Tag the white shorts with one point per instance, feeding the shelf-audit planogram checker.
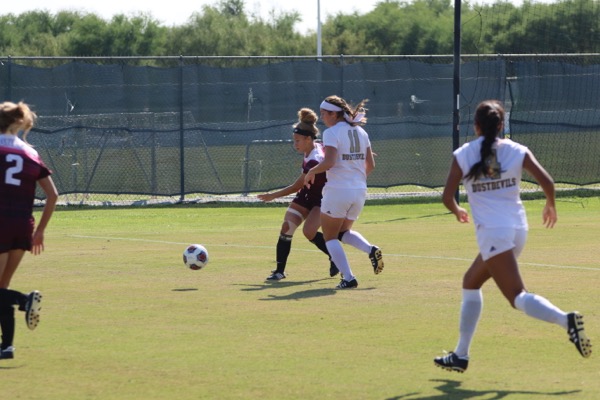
(494, 241)
(343, 203)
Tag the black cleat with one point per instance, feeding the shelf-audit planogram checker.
(577, 334)
(452, 362)
(32, 309)
(7, 353)
(347, 284)
(376, 259)
(276, 276)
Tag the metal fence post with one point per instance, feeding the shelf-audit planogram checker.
(181, 133)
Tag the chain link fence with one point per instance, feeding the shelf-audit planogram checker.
(134, 130)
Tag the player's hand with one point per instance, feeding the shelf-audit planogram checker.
(549, 216)
(462, 215)
(37, 243)
(309, 179)
(265, 197)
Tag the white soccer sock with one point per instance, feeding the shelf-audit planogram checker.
(336, 251)
(538, 307)
(356, 240)
(470, 311)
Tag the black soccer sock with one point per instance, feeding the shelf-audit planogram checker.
(7, 324)
(9, 297)
(284, 246)
(319, 241)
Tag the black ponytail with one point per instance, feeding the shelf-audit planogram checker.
(489, 117)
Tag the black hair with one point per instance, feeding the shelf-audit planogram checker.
(489, 118)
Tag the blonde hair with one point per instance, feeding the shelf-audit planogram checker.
(351, 112)
(15, 118)
(307, 122)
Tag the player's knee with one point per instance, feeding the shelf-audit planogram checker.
(288, 228)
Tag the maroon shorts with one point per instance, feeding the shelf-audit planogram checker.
(307, 199)
(16, 234)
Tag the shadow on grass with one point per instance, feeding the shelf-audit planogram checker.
(303, 294)
(299, 295)
(184, 290)
(279, 284)
(310, 293)
(451, 390)
(407, 218)
(9, 367)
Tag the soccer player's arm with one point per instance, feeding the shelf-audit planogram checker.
(452, 183)
(293, 188)
(49, 189)
(533, 167)
(370, 161)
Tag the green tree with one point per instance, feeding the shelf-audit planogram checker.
(228, 30)
(393, 27)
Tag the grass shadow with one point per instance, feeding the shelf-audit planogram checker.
(10, 367)
(278, 284)
(451, 390)
(407, 218)
(304, 294)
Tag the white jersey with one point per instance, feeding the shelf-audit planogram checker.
(495, 198)
(351, 142)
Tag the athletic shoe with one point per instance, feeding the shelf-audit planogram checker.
(7, 353)
(376, 259)
(276, 276)
(452, 362)
(333, 270)
(32, 309)
(577, 334)
(347, 284)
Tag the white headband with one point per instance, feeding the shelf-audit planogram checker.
(359, 117)
(329, 107)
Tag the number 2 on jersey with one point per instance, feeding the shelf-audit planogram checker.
(9, 176)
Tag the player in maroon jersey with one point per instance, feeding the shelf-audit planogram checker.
(306, 205)
(20, 169)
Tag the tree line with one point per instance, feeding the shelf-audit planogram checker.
(393, 27)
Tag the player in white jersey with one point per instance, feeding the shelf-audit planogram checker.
(348, 161)
(306, 205)
(491, 168)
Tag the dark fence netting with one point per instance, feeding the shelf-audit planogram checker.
(113, 131)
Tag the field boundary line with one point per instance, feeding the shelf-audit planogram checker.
(315, 251)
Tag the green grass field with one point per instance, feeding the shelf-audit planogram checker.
(124, 319)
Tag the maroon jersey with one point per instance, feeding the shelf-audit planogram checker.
(311, 197)
(20, 169)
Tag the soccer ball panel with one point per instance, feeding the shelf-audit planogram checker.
(195, 256)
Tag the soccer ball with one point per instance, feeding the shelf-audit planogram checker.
(195, 256)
